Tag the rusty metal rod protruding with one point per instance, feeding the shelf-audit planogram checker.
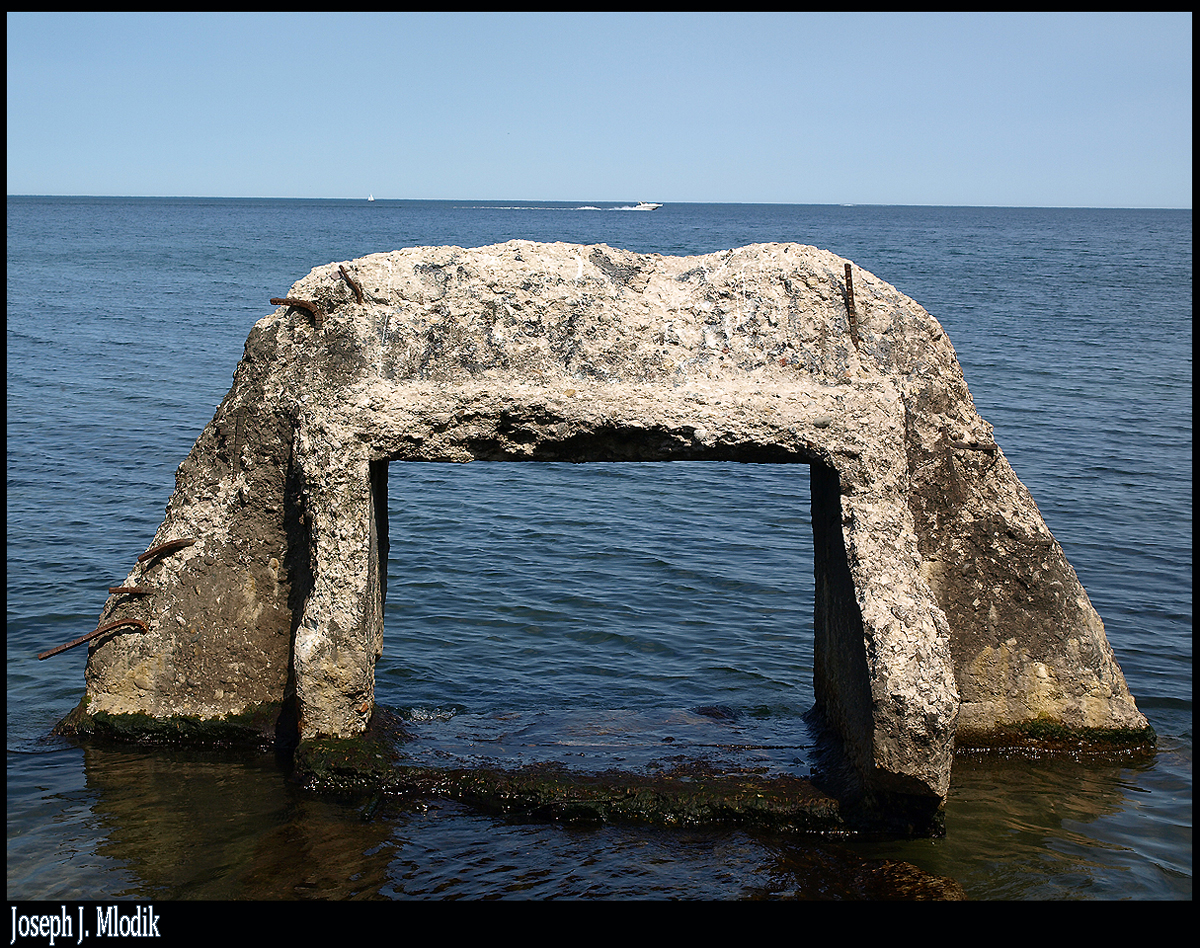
(130, 590)
(852, 314)
(163, 548)
(91, 635)
(318, 316)
(358, 297)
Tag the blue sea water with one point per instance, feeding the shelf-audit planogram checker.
(588, 614)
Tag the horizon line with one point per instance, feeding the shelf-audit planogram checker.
(219, 197)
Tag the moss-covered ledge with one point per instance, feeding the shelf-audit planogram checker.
(691, 795)
(1045, 735)
(552, 792)
(265, 726)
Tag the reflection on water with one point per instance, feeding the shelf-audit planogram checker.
(204, 825)
(174, 824)
(1058, 828)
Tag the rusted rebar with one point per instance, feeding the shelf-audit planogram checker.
(129, 590)
(851, 313)
(91, 635)
(358, 297)
(164, 548)
(317, 315)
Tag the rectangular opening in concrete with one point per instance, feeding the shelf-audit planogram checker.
(601, 614)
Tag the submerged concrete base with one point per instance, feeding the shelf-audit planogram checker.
(678, 790)
(944, 605)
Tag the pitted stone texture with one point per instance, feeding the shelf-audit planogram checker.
(945, 603)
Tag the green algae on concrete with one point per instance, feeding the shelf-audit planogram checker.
(1045, 734)
(687, 796)
(261, 726)
(351, 763)
(551, 792)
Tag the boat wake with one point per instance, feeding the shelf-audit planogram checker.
(643, 206)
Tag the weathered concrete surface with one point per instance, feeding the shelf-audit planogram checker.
(944, 605)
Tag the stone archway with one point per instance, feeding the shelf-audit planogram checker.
(944, 606)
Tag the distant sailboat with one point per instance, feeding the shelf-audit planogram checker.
(370, 197)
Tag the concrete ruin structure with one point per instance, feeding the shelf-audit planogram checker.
(945, 610)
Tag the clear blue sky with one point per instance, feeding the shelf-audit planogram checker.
(984, 109)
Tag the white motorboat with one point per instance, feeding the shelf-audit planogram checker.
(647, 206)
